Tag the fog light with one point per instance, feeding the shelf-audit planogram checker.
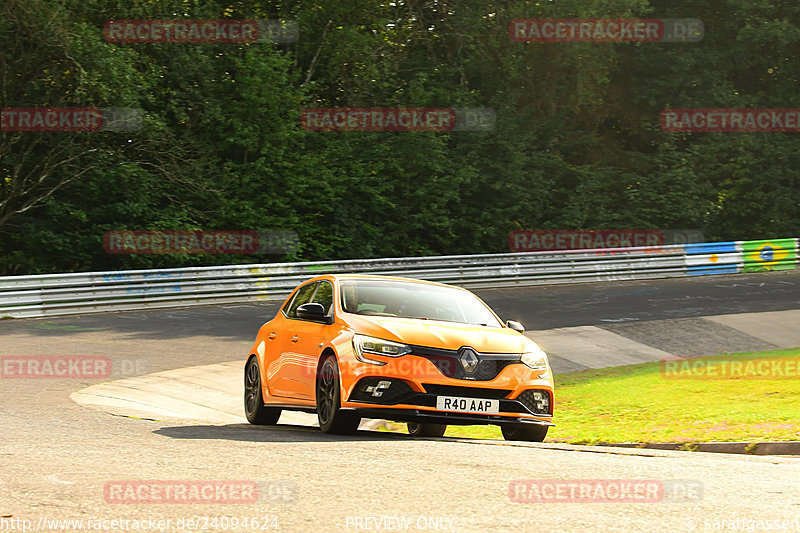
(541, 401)
(377, 390)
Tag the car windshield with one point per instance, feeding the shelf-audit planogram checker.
(415, 300)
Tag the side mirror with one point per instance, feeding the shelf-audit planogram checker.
(312, 311)
(516, 326)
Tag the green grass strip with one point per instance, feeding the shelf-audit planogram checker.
(752, 396)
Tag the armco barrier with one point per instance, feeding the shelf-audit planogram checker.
(91, 292)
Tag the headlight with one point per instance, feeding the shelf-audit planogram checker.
(535, 359)
(370, 345)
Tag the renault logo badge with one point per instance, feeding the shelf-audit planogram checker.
(469, 360)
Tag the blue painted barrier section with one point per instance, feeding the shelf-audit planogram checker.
(713, 258)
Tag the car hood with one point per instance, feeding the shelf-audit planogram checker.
(446, 335)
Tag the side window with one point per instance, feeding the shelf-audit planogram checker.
(324, 296)
(289, 303)
(303, 296)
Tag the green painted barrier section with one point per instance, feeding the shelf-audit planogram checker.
(775, 254)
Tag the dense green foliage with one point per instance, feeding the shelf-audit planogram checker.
(577, 143)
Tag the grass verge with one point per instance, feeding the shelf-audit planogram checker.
(752, 396)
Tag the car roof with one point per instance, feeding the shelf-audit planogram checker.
(375, 277)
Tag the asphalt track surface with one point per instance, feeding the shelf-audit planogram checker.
(57, 458)
(538, 308)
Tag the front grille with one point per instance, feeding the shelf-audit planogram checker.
(449, 363)
(537, 407)
(491, 368)
(466, 392)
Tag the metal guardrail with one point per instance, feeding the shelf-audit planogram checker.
(94, 292)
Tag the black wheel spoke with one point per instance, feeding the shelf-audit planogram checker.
(326, 392)
(524, 432)
(251, 387)
(331, 419)
(254, 408)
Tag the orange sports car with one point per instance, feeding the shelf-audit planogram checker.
(348, 347)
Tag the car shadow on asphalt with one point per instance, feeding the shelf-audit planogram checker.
(278, 433)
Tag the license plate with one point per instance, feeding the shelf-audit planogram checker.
(467, 405)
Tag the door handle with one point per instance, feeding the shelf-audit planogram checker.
(295, 338)
(272, 336)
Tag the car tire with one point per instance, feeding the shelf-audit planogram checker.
(254, 409)
(524, 432)
(418, 429)
(331, 418)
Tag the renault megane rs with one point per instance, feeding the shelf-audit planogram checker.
(348, 347)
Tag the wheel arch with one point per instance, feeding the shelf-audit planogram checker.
(327, 352)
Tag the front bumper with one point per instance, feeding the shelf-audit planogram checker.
(401, 401)
(443, 417)
(419, 378)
